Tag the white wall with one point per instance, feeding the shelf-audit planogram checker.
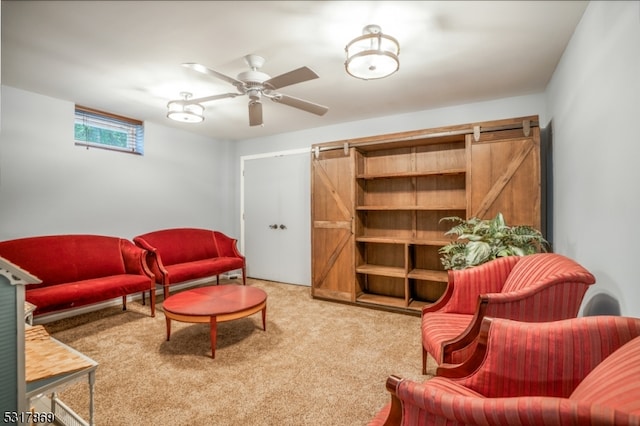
(50, 186)
(593, 101)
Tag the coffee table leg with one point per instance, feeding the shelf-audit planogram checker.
(214, 335)
(168, 320)
(264, 318)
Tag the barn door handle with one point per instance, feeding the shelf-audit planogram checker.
(273, 226)
(283, 227)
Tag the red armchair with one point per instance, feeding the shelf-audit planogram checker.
(580, 371)
(534, 288)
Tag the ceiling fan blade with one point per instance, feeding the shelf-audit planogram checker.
(210, 98)
(255, 113)
(300, 104)
(204, 70)
(292, 77)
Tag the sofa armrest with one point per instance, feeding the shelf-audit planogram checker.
(152, 260)
(513, 358)
(134, 259)
(227, 246)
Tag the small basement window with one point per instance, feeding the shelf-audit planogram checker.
(104, 130)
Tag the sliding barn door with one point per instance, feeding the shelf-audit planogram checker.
(332, 239)
(504, 176)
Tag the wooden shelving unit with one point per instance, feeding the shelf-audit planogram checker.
(377, 206)
(401, 194)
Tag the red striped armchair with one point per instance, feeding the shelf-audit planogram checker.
(533, 288)
(580, 371)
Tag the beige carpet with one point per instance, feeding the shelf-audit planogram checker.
(318, 363)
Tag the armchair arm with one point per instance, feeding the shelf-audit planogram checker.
(550, 301)
(391, 414)
(466, 284)
(473, 357)
(440, 401)
(545, 301)
(515, 358)
(443, 300)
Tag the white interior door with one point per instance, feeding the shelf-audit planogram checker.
(276, 215)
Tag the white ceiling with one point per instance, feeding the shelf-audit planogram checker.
(125, 56)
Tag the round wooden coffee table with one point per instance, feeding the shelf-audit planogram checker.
(214, 304)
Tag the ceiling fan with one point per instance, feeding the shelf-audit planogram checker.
(258, 85)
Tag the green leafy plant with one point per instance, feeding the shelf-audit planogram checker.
(482, 240)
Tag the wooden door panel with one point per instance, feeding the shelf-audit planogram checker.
(505, 177)
(333, 270)
(333, 266)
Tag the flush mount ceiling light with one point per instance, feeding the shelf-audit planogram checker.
(373, 55)
(185, 111)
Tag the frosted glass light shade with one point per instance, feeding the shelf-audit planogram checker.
(185, 113)
(373, 55)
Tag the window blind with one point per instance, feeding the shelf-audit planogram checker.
(99, 129)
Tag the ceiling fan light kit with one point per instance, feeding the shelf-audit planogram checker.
(185, 111)
(253, 83)
(373, 55)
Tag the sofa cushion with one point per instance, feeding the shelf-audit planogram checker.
(85, 292)
(181, 245)
(202, 268)
(65, 258)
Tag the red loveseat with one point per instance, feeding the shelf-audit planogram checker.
(180, 255)
(79, 270)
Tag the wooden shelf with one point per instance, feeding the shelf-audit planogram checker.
(445, 172)
(377, 299)
(411, 208)
(429, 275)
(385, 271)
(412, 241)
(418, 304)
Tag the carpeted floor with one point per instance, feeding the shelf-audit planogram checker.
(318, 363)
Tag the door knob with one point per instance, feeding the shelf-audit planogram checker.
(273, 226)
(283, 227)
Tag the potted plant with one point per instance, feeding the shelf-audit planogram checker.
(482, 240)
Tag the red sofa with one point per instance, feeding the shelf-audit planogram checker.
(579, 371)
(79, 270)
(178, 255)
